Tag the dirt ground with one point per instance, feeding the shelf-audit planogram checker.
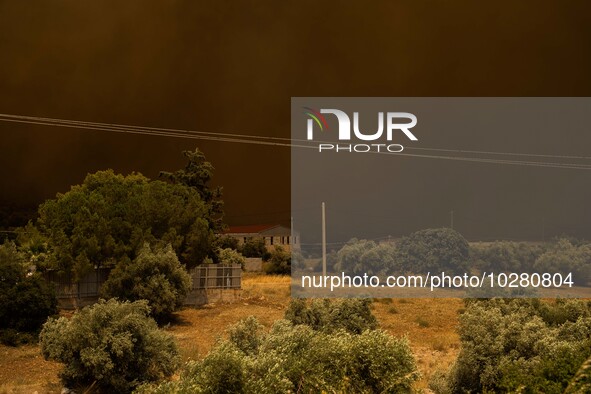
(429, 324)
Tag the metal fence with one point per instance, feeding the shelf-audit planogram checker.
(208, 276)
(88, 286)
(217, 276)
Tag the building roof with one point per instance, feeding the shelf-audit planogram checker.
(250, 229)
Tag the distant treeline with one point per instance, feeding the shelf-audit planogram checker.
(444, 249)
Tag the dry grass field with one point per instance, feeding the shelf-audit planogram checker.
(430, 325)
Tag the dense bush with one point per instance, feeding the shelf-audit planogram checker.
(349, 256)
(506, 256)
(358, 257)
(227, 242)
(34, 246)
(299, 359)
(246, 335)
(231, 256)
(563, 255)
(279, 263)
(113, 346)
(156, 276)
(581, 382)
(520, 345)
(566, 257)
(349, 314)
(433, 250)
(298, 262)
(254, 247)
(26, 300)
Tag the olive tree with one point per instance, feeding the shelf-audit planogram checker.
(155, 275)
(109, 217)
(520, 345)
(111, 345)
(297, 358)
(433, 250)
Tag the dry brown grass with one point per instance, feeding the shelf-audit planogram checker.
(266, 297)
(23, 370)
(435, 345)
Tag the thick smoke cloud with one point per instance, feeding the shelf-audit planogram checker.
(233, 66)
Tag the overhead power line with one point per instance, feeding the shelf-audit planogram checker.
(286, 142)
(6, 117)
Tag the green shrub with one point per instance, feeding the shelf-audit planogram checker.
(380, 363)
(565, 257)
(227, 242)
(299, 359)
(279, 263)
(26, 300)
(156, 276)
(222, 371)
(113, 345)
(254, 247)
(506, 256)
(439, 382)
(231, 256)
(358, 257)
(246, 335)
(350, 314)
(12, 337)
(433, 250)
(524, 345)
(581, 382)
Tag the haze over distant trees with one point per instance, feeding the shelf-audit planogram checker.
(435, 250)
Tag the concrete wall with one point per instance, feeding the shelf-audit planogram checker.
(208, 296)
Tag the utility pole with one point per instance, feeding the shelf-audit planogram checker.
(323, 240)
(452, 219)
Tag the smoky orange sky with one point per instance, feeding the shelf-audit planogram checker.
(232, 66)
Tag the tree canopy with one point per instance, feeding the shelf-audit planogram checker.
(110, 216)
(197, 175)
(26, 300)
(435, 250)
(566, 257)
(363, 256)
